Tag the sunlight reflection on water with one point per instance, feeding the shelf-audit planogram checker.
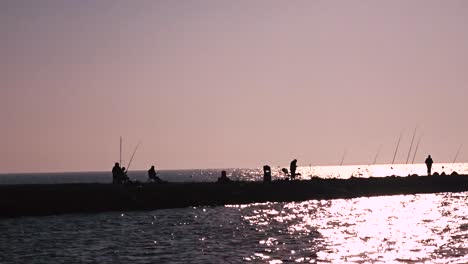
(380, 170)
(428, 228)
(348, 171)
(345, 172)
(422, 228)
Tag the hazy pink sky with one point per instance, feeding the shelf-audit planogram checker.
(214, 84)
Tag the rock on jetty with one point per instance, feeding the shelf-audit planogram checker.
(22, 200)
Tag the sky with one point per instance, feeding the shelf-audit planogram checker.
(227, 84)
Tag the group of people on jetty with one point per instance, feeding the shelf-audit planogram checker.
(119, 174)
(291, 174)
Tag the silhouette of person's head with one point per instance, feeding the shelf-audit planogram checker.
(152, 167)
(117, 164)
(223, 174)
(429, 156)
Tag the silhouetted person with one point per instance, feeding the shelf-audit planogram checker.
(223, 177)
(266, 173)
(429, 164)
(292, 169)
(152, 175)
(123, 176)
(116, 171)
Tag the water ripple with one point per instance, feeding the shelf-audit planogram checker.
(423, 228)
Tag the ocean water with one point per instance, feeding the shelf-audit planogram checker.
(422, 228)
(236, 174)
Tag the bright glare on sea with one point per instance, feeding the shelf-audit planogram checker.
(422, 228)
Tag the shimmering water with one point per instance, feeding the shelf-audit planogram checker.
(423, 228)
(236, 174)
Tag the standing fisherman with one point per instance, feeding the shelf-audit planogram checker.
(292, 168)
(116, 172)
(429, 164)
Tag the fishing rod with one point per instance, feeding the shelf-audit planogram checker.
(377, 154)
(130, 162)
(416, 149)
(458, 152)
(411, 145)
(396, 149)
(120, 157)
(342, 158)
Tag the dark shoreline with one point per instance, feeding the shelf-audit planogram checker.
(50, 199)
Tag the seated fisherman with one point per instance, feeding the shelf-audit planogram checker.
(152, 175)
(223, 177)
(123, 176)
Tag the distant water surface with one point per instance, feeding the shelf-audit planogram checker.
(422, 228)
(236, 174)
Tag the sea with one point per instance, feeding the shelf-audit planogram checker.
(420, 228)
